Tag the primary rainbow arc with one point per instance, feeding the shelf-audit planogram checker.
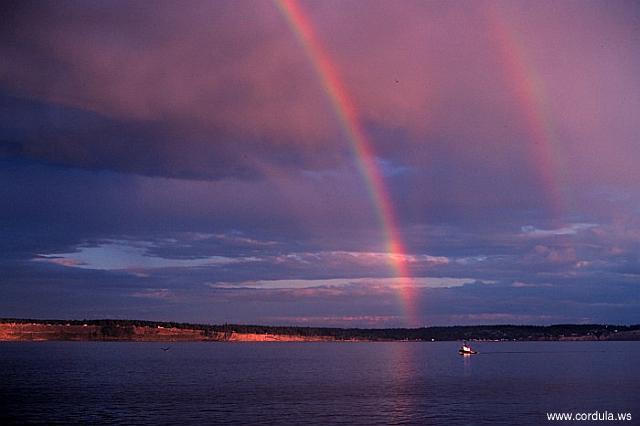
(346, 113)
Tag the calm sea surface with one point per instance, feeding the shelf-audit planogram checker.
(314, 383)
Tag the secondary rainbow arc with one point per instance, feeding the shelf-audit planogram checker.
(528, 89)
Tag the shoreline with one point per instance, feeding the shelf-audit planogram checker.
(149, 331)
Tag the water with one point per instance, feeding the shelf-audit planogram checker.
(314, 383)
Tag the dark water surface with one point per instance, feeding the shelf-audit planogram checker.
(314, 383)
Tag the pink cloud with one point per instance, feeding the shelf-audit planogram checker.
(154, 293)
(362, 259)
(62, 261)
(237, 69)
(557, 255)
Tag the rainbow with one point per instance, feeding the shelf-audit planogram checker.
(346, 113)
(528, 90)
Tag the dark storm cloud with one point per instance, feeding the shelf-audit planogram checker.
(183, 92)
(61, 135)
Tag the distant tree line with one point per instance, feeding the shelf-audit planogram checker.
(123, 328)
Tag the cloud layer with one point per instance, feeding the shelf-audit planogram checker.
(186, 160)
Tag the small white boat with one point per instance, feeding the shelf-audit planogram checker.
(466, 349)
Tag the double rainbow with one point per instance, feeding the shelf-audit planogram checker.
(522, 80)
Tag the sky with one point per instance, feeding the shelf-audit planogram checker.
(334, 163)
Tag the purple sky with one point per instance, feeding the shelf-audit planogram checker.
(185, 162)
